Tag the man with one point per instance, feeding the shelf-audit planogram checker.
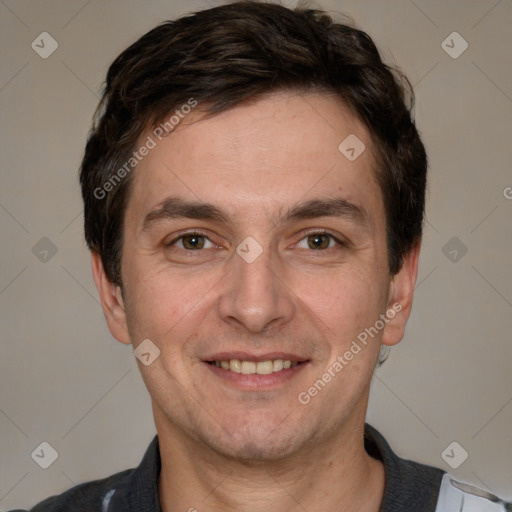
(254, 192)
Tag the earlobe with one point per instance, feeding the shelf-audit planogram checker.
(111, 301)
(401, 291)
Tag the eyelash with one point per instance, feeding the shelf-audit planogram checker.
(339, 242)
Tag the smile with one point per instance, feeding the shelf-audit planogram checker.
(252, 367)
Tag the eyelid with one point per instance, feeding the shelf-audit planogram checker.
(182, 235)
(341, 241)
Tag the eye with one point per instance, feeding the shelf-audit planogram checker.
(319, 241)
(192, 242)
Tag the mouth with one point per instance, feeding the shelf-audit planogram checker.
(247, 367)
(256, 372)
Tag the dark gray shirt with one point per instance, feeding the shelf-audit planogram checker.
(410, 486)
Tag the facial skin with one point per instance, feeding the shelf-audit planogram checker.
(256, 163)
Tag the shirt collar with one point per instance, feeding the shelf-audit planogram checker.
(140, 492)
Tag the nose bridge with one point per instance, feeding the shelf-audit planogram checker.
(253, 294)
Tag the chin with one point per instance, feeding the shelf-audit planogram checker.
(258, 443)
(251, 452)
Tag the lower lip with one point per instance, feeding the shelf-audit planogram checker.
(256, 381)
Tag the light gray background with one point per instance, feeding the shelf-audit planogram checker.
(65, 381)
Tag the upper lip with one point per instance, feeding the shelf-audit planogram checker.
(246, 356)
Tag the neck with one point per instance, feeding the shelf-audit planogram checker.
(337, 474)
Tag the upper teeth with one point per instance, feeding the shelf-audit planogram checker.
(250, 367)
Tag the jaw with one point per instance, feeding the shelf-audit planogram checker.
(257, 426)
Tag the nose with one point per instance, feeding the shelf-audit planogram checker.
(255, 295)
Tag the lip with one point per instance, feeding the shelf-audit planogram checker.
(255, 381)
(255, 358)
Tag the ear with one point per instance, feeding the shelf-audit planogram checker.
(401, 291)
(111, 301)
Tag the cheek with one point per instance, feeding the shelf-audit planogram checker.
(344, 301)
(160, 303)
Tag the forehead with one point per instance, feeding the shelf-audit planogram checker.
(261, 158)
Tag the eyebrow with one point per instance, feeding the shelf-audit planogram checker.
(176, 208)
(337, 207)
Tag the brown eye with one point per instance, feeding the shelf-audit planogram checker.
(191, 242)
(319, 241)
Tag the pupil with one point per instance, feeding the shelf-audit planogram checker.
(318, 241)
(193, 242)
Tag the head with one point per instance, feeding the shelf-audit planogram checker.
(227, 124)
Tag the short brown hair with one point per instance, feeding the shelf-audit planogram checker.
(223, 56)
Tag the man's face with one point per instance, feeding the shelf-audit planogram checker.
(287, 261)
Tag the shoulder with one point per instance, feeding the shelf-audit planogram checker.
(414, 486)
(93, 495)
(135, 488)
(408, 483)
(455, 495)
